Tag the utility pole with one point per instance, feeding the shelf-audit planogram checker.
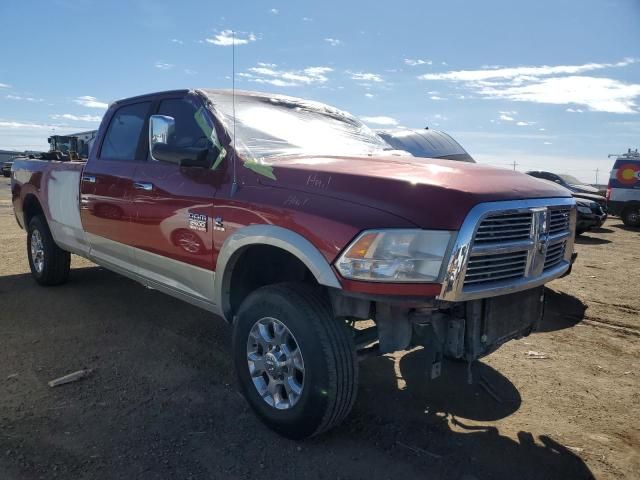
(597, 170)
(515, 165)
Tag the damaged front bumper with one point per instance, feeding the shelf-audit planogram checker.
(456, 330)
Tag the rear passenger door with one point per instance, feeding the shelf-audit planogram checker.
(107, 184)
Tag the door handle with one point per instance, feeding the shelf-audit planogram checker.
(143, 186)
(89, 178)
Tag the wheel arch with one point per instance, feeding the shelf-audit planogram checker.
(243, 240)
(31, 207)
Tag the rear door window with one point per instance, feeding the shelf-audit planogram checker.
(123, 135)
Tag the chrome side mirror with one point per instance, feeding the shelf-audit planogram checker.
(161, 129)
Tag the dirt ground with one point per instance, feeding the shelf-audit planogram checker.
(163, 401)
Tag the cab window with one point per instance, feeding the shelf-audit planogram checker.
(123, 134)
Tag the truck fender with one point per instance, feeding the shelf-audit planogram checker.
(283, 238)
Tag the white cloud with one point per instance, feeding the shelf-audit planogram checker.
(369, 95)
(574, 110)
(436, 97)
(560, 85)
(270, 74)
(77, 118)
(412, 62)
(334, 42)
(505, 117)
(596, 93)
(365, 77)
(380, 120)
(178, 41)
(164, 66)
(514, 72)
(547, 143)
(26, 99)
(523, 124)
(307, 19)
(4, 85)
(275, 11)
(90, 102)
(189, 71)
(227, 38)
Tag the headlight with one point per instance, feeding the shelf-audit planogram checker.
(396, 255)
(584, 209)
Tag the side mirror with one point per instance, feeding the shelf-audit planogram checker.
(183, 156)
(161, 131)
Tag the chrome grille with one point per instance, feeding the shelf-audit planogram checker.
(558, 220)
(509, 246)
(489, 268)
(555, 254)
(504, 227)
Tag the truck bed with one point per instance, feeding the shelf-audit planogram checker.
(56, 184)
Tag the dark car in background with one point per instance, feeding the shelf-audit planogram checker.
(426, 143)
(590, 215)
(567, 181)
(6, 168)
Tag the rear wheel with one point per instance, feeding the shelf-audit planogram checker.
(631, 216)
(49, 264)
(296, 364)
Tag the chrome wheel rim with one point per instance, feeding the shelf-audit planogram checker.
(634, 216)
(275, 363)
(37, 251)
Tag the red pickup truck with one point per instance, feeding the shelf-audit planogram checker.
(299, 226)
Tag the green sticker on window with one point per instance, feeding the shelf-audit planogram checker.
(201, 119)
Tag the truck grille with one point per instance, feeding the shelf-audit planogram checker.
(504, 227)
(555, 254)
(488, 268)
(559, 220)
(517, 244)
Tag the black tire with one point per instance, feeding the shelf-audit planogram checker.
(6, 174)
(56, 262)
(330, 364)
(631, 217)
(579, 232)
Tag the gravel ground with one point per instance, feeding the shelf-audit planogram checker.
(162, 401)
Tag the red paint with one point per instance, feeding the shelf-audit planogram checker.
(327, 200)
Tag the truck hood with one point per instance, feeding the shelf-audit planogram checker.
(429, 193)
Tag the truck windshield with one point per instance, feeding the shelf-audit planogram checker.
(272, 126)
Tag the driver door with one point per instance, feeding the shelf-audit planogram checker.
(174, 209)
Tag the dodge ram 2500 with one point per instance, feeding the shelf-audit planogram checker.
(298, 225)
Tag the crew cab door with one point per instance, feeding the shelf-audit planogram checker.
(173, 224)
(106, 205)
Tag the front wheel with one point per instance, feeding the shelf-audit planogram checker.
(49, 263)
(631, 217)
(296, 364)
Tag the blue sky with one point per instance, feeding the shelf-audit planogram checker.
(548, 84)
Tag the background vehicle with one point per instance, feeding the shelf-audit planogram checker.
(576, 193)
(623, 192)
(426, 143)
(295, 238)
(6, 168)
(590, 215)
(567, 181)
